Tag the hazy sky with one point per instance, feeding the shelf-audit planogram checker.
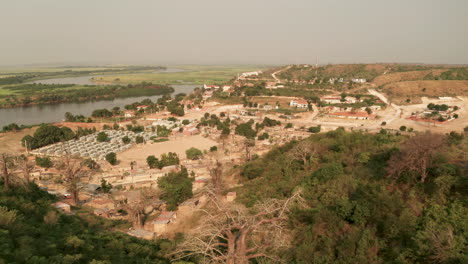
(235, 31)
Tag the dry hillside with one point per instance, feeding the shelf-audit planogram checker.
(399, 91)
(405, 76)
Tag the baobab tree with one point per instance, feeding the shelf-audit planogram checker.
(415, 155)
(233, 234)
(136, 203)
(305, 151)
(72, 171)
(248, 144)
(216, 173)
(25, 166)
(6, 162)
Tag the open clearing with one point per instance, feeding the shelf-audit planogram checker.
(11, 142)
(179, 145)
(400, 91)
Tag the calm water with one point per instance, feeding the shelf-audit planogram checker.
(55, 113)
(86, 80)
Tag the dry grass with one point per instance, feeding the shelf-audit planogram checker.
(405, 76)
(11, 142)
(400, 91)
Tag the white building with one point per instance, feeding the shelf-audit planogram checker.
(299, 103)
(358, 80)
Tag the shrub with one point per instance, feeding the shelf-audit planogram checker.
(126, 140)
(111, 158)
(314, 129)
(193, 153)
(102, 137)
(139, 139)
(403, 128)
(44, 162)
(214, 148)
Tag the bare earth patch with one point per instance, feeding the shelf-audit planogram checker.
(178, 145)
(400, 91)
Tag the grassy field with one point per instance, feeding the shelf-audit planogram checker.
(194, 74)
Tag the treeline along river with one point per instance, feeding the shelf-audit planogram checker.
(37, 114)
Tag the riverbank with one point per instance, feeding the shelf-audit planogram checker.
(52, 113)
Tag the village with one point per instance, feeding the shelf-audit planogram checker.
(225, 135)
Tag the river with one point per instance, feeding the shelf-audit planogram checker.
(37, 114)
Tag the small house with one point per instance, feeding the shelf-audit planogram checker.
(161, 222)
(231, 196)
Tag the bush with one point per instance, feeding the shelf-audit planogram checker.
(289, 125)
(263, 136)
(102, 137)
(44, 162)
(403, 128)
(152, 162)
(214, 148)
(176, 187)
(111, 158)
(139, 139)
(383, 123)
(126, 140)
(314, 129)
(193, 153)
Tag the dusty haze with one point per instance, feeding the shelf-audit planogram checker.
(240, 31)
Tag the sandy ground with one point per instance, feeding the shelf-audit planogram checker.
(178, 145)
(11, 142)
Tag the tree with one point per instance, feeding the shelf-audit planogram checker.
(248, 144)
(111, 158)
(246, 130)
(415, 155)
(44, 162)
(232, 234)
(139, 139)
(305, 151)
(5, 164)
(152, 162)
(315, 129)
(101, 113)
(72, 172)
(102, 137)
(25, 166)
(193, 153)
(213, 148)
(135, 205)
(126, 140)
(169, 159)
(176, 187)
(216, 173)
(403, 128)
(90, 163)
(105, 186)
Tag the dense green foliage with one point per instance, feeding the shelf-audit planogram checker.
(46, 135)
(168, 159)
(111, 158)
(355, 212)
(44, 162)
(245, 129)
(22, 94)
(193, 153)
(31, 231)
(315, 129)
(102, 137)
(176, 187)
